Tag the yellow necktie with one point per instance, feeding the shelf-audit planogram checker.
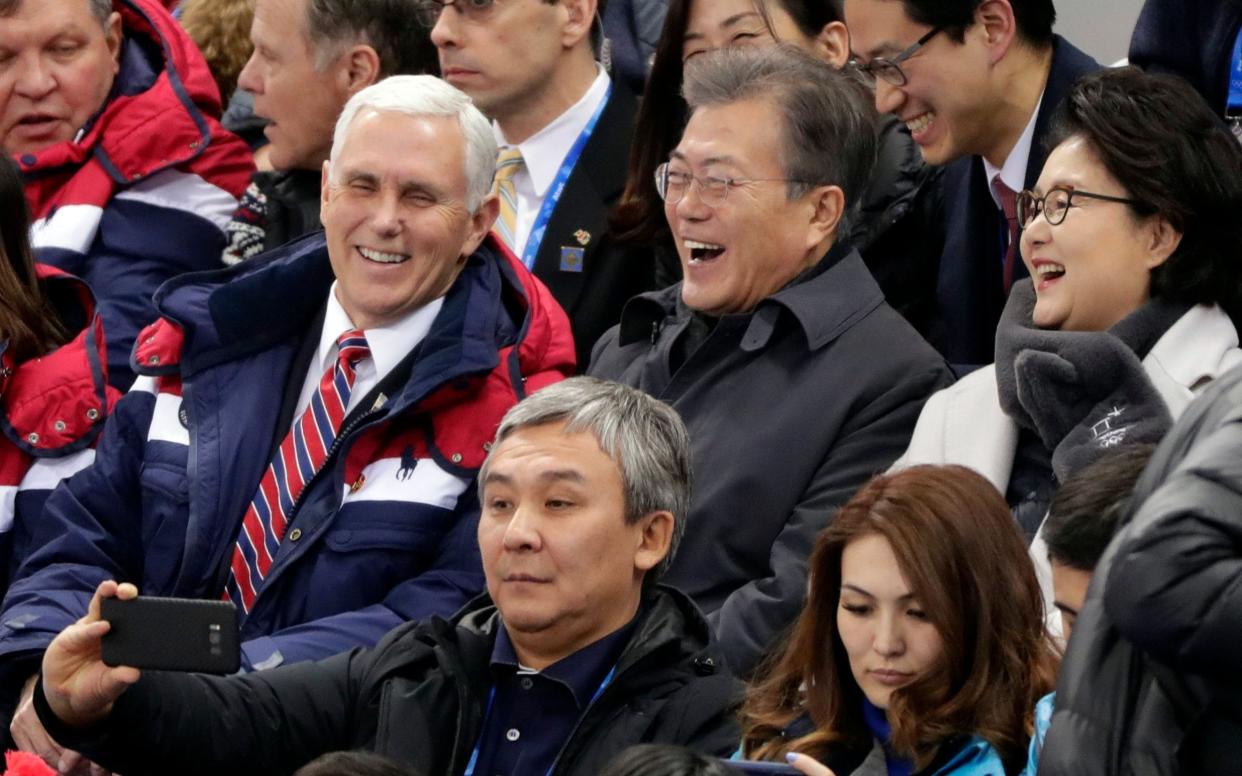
(507, 165)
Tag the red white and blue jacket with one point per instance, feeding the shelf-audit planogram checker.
(52, 409)
(384, 534)
(145, 191)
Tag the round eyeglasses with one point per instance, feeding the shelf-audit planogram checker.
(889, 70)
(672, 185)
(1057, 202)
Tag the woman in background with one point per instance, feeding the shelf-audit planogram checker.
(921, 647)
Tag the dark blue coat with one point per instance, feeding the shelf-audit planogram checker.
(969, 293)
(385, 533)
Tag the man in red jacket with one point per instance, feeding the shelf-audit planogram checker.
(111, 114)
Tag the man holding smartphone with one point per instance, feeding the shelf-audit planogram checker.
(573, 656)
(307, 430)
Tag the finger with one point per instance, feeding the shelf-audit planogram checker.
(29, 736)
(807, 765)
(106, 589)
(82, 637)
(126, 591)
(70, 762)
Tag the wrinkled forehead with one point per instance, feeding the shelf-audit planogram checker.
(58, 11)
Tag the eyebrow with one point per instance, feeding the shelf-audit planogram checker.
(1065, 609)
(406, 187)
(552, 475)
(861, 591)
(724, 159)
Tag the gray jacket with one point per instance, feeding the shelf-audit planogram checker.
(790, 409)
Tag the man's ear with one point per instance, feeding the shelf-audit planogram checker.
(112, 37)
(1163, 240)
(360, 67)
(654, 540)
(832, 44)
(325, 178)
(996, 25)
(480, 224)
(828, 203)
(579, 15)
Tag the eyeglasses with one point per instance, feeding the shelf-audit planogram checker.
(890, 69)
(428, 11)
(1057, 202)
(673, 185)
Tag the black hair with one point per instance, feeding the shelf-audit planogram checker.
(1034, 18)
(355, 764)
(664, 760)
(1157, 137)
(1085, 511)
(28, 321)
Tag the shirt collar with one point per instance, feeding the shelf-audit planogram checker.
(544, 151)
(1013, 172)
(388, 344)
(583, 672)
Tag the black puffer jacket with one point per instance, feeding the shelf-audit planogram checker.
(1152, 682)
(900, 225)
(418, 698)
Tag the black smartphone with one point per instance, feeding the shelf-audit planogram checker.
(760, 768)
(171, 634)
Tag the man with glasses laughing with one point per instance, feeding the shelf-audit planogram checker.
(976, 81)
(797, 381)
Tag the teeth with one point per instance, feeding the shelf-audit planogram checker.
(1044, 270)
(920, 123)
(381, 257)
(696, 245)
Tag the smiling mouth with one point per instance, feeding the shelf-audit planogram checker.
(1049, 271)
(921, 122)
(702, 252)
(381, 257)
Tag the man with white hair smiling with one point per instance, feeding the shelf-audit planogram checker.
(306, 431)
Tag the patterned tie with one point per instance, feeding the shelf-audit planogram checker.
(508, 163)
(1009, 205)
(301, 454)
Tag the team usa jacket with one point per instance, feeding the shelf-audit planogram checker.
(51, 411)
(385, 533)
(144, 191)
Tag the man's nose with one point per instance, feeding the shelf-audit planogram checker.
(248, 79)
(888, 97)
(444, 31)
(387, 218)
(522, 532)
(34, 77)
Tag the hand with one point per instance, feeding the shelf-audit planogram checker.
(809, 766)
(79, 688)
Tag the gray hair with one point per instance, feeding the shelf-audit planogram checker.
(100, 9)
(643, 435)
(404, 46)
(426, 95)
(829, 123)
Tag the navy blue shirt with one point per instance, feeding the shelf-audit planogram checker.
(531, 714)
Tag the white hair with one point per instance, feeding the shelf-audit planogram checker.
(426, 95)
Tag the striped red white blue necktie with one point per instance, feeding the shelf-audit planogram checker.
(300, 455)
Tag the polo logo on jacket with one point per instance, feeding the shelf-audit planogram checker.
(408, 463)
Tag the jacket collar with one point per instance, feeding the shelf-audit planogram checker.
(825, 305)
(1195, 349)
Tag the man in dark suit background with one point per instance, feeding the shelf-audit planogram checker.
(977, 82)
(564, 129)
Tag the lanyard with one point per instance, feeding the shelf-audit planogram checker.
(1233, 108)
(487, 712)
(558, 185)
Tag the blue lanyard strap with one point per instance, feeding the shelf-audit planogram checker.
(558, 185)
(487, 712)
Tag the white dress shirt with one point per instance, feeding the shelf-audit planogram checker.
(543, 154)
(389, 344)
(1013, 172)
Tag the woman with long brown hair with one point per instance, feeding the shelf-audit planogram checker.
(921, 648)
(53, 380)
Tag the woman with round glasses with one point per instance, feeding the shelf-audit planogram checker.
(896, 229)
(1132, 238)
(920, 648)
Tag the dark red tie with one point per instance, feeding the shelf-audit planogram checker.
(301, 454)
(1009, 205)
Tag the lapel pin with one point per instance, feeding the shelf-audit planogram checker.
(583, 237)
